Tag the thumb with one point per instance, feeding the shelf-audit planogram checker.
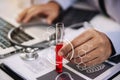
(60, 53)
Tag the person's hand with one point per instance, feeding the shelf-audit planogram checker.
(90, 48)
(50, 10)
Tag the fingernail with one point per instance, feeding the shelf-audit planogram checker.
(60, 54)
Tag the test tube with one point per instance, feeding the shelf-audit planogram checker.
(59, 45)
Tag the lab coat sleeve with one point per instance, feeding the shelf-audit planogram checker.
(113, 10)
(65, 3)
(114, 36)
(111, 28)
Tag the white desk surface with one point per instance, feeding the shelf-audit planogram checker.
(9, 11)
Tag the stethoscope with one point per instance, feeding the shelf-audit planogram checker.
(30, 51)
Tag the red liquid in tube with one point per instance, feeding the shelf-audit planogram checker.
(59, 59)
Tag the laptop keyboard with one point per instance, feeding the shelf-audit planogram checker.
(5, 27)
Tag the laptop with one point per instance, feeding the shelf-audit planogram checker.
(32, 35)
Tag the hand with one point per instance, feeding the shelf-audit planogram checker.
(90, 48)
(50, 10)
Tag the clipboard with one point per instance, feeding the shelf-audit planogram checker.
(10, 73)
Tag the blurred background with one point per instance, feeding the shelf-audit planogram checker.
(11, 8)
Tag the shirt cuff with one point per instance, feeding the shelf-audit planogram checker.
(115, 39)
(65, 4)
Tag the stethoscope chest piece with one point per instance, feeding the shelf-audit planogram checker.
(29, 54)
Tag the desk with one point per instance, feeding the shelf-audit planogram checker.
(11, 12)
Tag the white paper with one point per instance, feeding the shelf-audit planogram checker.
(31, 69)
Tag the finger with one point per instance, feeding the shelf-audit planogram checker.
(94, 62)
(73, 55)
(91, 56)
(69, 56)
(74, 60)
(22, 15)
(86, 48)
(76, 42)
(86, 58)
(83, 49)
(81, 39)
(32, 13)
(77, 60)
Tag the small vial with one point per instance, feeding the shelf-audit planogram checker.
(59, 45)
